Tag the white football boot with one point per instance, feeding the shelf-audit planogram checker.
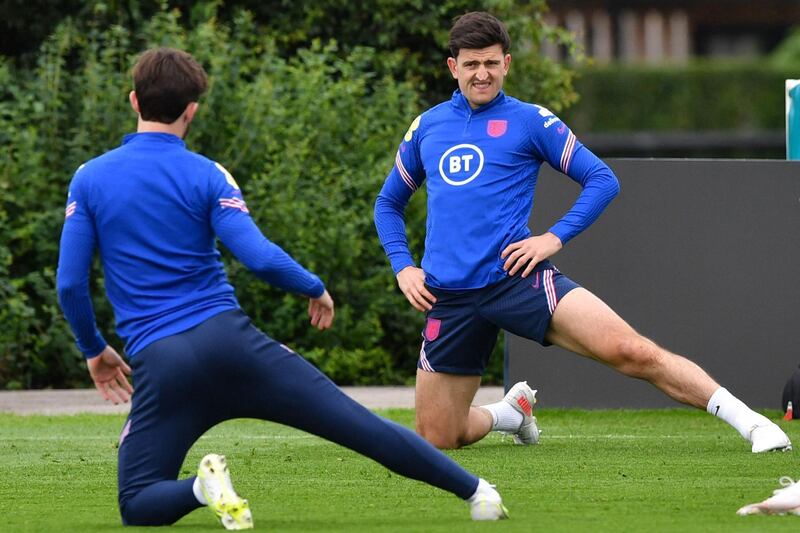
(769, 437)
(215, 482)
(486, 503)
(783, 500)
(522, 398)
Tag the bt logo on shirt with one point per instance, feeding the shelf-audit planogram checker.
(461, 164)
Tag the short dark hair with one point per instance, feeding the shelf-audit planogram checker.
(166, 80)
(478, 29)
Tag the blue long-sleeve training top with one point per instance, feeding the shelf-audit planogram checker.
(154, 209)
(480, 168)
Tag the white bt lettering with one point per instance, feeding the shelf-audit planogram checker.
(463, 163)
(459, 163)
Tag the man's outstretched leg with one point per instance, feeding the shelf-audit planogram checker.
(298, 395)
(585, 325)
(274, 383)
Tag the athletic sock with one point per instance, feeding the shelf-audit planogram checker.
(198, 492)
(729, 408)
(504, 416)
(483, 488)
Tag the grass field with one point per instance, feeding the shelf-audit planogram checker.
(654, 470)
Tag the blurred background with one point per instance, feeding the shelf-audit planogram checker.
(306, 106)
(681, 78)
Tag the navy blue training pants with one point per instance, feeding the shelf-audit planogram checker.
(225, 368)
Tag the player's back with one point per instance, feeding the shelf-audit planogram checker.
(150, 203)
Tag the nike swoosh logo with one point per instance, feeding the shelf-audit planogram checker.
(535, 285)
(716, 410)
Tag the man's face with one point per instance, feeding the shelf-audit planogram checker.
(480, 72)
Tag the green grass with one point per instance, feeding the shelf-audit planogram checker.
(654, 470)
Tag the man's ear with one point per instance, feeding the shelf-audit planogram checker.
(452, 64)
(191, 109)
(134, 101)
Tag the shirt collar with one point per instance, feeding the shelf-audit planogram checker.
(153, 137)
(459, 101)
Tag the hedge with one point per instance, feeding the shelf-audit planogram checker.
(309, 133)
(702, 96)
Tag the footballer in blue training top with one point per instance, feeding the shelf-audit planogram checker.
(481, 183)
(163, 272)
(479, 156)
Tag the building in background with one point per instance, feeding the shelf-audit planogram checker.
(673, 31)
(660, 39)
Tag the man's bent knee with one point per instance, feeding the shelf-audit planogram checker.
(128, 519)
(443, 407)
(130, 515)
(442, 438)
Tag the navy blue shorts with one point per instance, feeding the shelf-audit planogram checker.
(461, 330)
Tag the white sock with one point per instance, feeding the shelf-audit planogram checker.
(504, 416)
(483, 487)
(729, 408)
(198, 492)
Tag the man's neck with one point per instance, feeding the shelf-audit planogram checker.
(177, 128)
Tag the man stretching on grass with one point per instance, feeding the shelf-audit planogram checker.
(480, 154)
(154, 208)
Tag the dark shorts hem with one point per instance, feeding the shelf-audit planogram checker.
(460, 371)
(540, 337)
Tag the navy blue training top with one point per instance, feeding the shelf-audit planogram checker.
(480, 168)
(154, 210)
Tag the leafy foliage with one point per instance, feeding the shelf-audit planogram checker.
(409, 36)
(309, 132)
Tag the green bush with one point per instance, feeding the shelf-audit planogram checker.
(702, 96)
(310, 137)
(409, 36)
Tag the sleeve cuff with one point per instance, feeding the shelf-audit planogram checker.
(399, 263)
(93, 349)
(317, 290)
(561, 231)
